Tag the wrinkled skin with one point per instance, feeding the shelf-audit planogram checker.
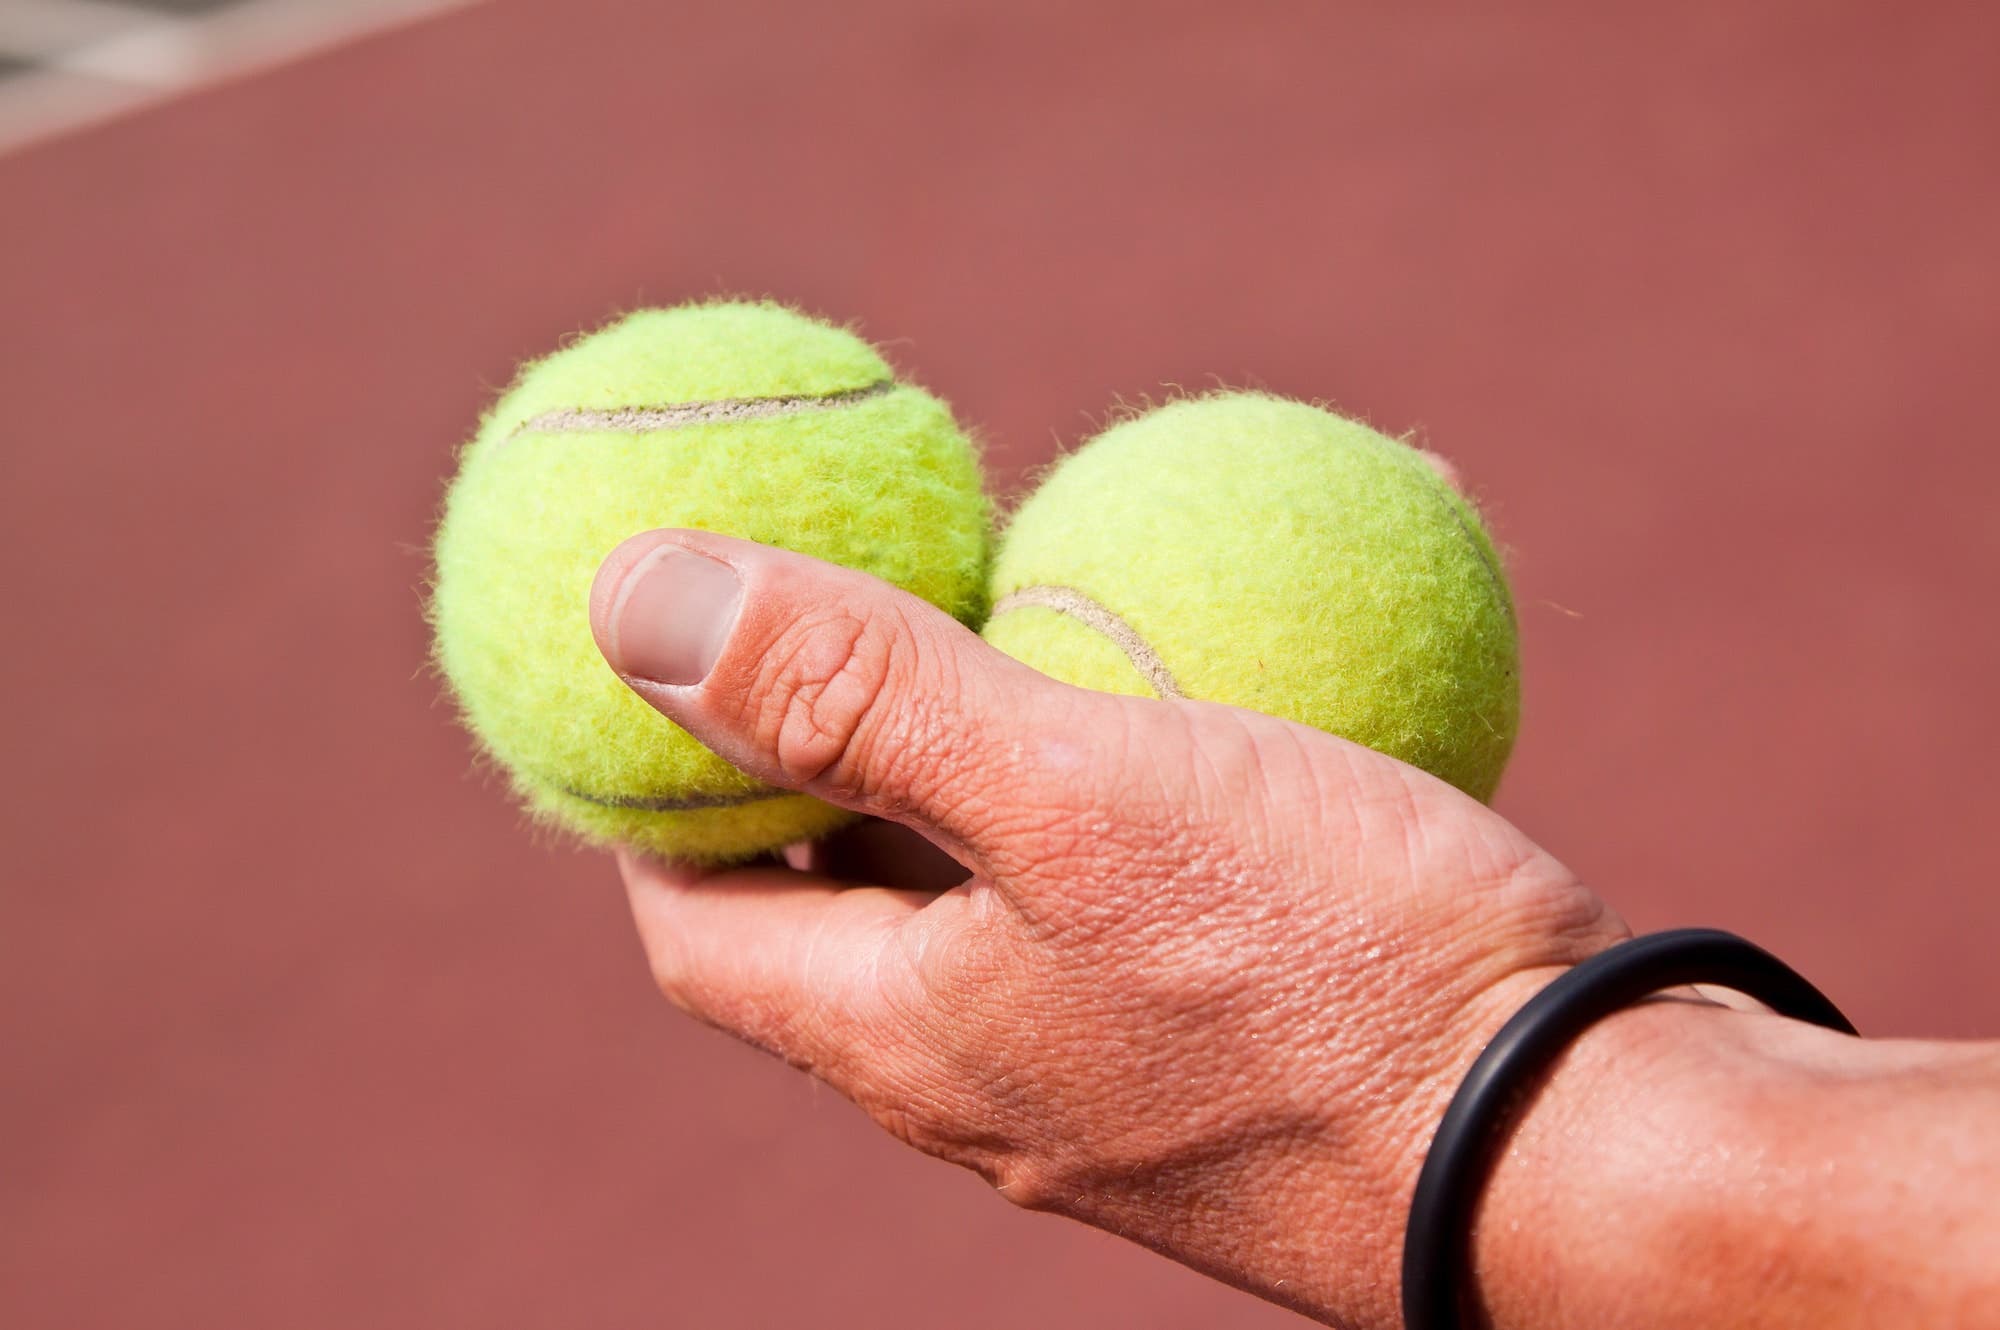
(1211, 976)
(1207, 980)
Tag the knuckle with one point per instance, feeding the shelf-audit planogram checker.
(818, 696)
(854, 703)
(963, 1130)
(954, 1080)
(960, 965)
(1030, 1183)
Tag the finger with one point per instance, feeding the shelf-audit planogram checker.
(790, 962)
(824, 679)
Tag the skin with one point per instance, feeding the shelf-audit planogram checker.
(1207, 979)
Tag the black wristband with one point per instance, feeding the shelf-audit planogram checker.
(1437, 1244)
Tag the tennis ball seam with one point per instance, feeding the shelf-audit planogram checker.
(1331, 577)
(678, 415)
(666, 418)
(688, 803)
(744, 417)
(1104, 621)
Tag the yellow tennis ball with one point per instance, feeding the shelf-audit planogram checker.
(1246, 549)
(742, 418)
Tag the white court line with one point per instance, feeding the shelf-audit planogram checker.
(100, 59)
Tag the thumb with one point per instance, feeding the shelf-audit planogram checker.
(819, 678)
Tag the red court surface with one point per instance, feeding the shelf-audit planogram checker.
(300, 1030)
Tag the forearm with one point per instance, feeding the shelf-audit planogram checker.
(1689, 1165)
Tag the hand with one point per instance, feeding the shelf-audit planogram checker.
(1212, 976)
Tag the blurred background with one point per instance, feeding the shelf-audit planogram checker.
(301, 1029)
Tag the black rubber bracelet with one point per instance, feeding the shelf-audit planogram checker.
(1437, 1244)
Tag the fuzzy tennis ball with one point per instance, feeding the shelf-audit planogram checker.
(1246, 549)
(742, 418)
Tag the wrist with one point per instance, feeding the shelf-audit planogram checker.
(1689, 1164)
(1621, 1147)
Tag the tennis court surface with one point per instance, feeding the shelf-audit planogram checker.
(302, 1030)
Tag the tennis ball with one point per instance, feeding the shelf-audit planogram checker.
(743, 418)
(1245, 549)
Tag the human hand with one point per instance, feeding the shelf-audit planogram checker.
(1212, 977)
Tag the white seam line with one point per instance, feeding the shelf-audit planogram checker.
(644, 419)
(1068, 600)
(687, 803)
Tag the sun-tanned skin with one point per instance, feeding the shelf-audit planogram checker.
(1209, 979)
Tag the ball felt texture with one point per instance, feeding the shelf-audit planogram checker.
(748, 419)
(1246, 549)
